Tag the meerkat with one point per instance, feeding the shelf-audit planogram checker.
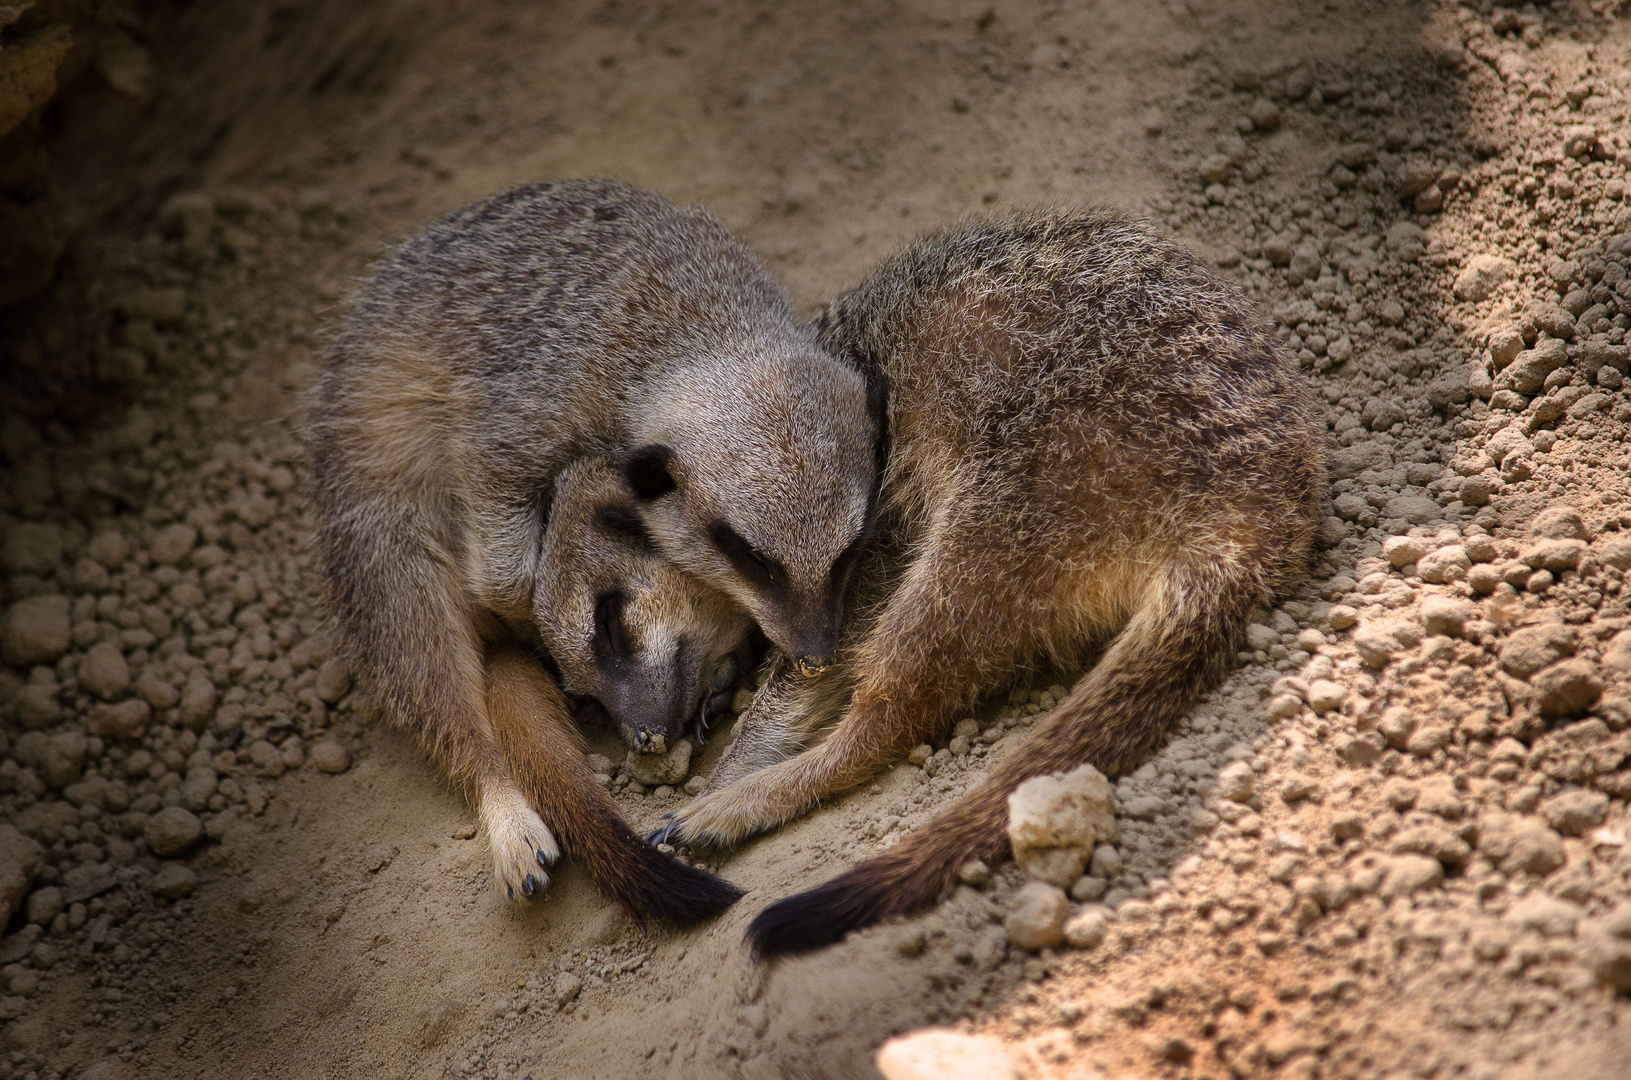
(544, 324)
(626, 627)
(1095, 442)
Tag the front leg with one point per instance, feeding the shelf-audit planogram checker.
(916, 669)
(523, 847)
(785, 712)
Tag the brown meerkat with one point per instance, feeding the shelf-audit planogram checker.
(544, 324)
(1094, 443)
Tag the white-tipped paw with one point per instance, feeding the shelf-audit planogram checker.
(523, 848)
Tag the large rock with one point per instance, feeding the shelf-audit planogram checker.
(1544, 915)
(1447, 615)
(1554, 554)
(1406, 874)
(36, 631)
(1055, 821)
(1617, 656)
(174, 881)
(173, 543)
(20, 859)
(57, 758)
(1416, 509)
(197, 701)
(333, 680)
(1350, 461)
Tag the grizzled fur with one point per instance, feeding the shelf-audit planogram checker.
(1095, 444)
(544, 324)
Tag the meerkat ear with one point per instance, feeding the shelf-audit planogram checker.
(647, 472)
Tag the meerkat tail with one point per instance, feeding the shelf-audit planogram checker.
(1175, 648)
(545, 752)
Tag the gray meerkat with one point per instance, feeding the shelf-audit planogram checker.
(1095, 442)
(547, 323)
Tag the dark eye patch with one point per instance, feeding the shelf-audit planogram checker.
(611, 639)
(846, 559)
(623, 522)
(752, 564)
(646, 470)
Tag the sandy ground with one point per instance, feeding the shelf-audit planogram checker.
(1359, 909)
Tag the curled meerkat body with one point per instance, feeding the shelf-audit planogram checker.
(544, 324)
(1094, 442)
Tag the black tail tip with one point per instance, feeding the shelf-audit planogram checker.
(681, 895)
(805, 922)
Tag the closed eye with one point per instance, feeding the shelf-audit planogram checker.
(611, 640)
(846, 560)
(751, 563)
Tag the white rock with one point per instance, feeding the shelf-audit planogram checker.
(1054, 822)
(937, 1054)
(1401, 551)
(1480, 277)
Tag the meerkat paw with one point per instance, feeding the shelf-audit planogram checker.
(522, 845)
(724, 818)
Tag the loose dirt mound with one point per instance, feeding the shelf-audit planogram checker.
(1394, 843)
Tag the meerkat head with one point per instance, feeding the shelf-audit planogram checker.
(657, 648)
(758, 476)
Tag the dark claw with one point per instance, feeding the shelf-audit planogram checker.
(541, 861)
(528, 885)
(510, 891)
(661, 834)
